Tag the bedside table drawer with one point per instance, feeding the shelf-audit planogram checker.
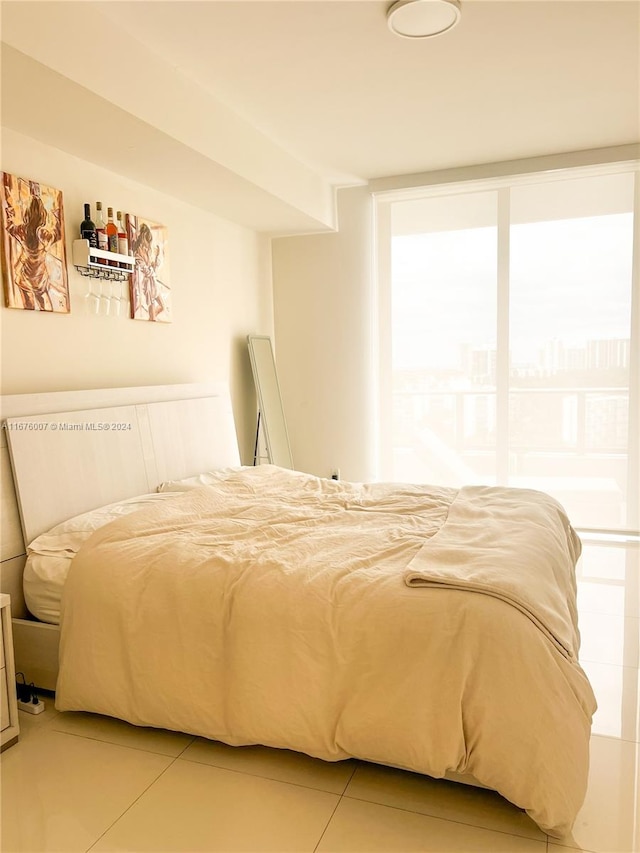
(5, 716)
(9, 722)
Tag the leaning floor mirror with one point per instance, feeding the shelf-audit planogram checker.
(271, 412)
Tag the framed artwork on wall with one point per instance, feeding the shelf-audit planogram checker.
(34, 261)
(150, 281)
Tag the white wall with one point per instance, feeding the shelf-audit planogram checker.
(221, 291)
(323, 306)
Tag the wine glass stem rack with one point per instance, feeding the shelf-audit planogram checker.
(96, 263)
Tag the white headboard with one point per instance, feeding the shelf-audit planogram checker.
(75, 451)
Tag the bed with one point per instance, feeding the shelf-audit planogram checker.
(424, 628)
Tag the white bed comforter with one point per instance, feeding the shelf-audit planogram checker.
(426, 628)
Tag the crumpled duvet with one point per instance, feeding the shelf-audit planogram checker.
(273, 607)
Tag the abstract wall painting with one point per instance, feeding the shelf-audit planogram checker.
(150, 280)
(34, 262)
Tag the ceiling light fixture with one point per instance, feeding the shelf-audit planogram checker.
(419, 19)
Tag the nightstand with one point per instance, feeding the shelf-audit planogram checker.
(8, 701)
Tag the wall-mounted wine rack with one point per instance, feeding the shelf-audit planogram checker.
(96, 263)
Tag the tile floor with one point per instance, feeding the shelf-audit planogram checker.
(83, 782)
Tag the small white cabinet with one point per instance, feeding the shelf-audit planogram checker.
(8, 702)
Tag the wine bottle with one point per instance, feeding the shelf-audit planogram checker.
(88, 229)
(123, 240)
(112, 235)
(101, 231)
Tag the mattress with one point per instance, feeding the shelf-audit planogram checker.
(49, 556)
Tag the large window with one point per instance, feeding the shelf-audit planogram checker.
(507, 340)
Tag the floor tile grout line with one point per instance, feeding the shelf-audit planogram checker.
(585, 662)
(618, 739)
(583, 613)
(589, 611)
(123, 745)
(260, 776)
(132, 803)
(323, 833)
(450, 820)
(608, 663)
(340, 798)
(191, 742)
(38, 723)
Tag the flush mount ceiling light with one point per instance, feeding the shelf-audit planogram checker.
(419, 19)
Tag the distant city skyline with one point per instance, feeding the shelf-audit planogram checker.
(553, 358)
(478, 365)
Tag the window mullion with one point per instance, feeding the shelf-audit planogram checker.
(502, 337)
(633, 446)
(385, 343)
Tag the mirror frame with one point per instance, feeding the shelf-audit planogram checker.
(271, 412)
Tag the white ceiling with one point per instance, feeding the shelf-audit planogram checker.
(324, 86)
(329, 82)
